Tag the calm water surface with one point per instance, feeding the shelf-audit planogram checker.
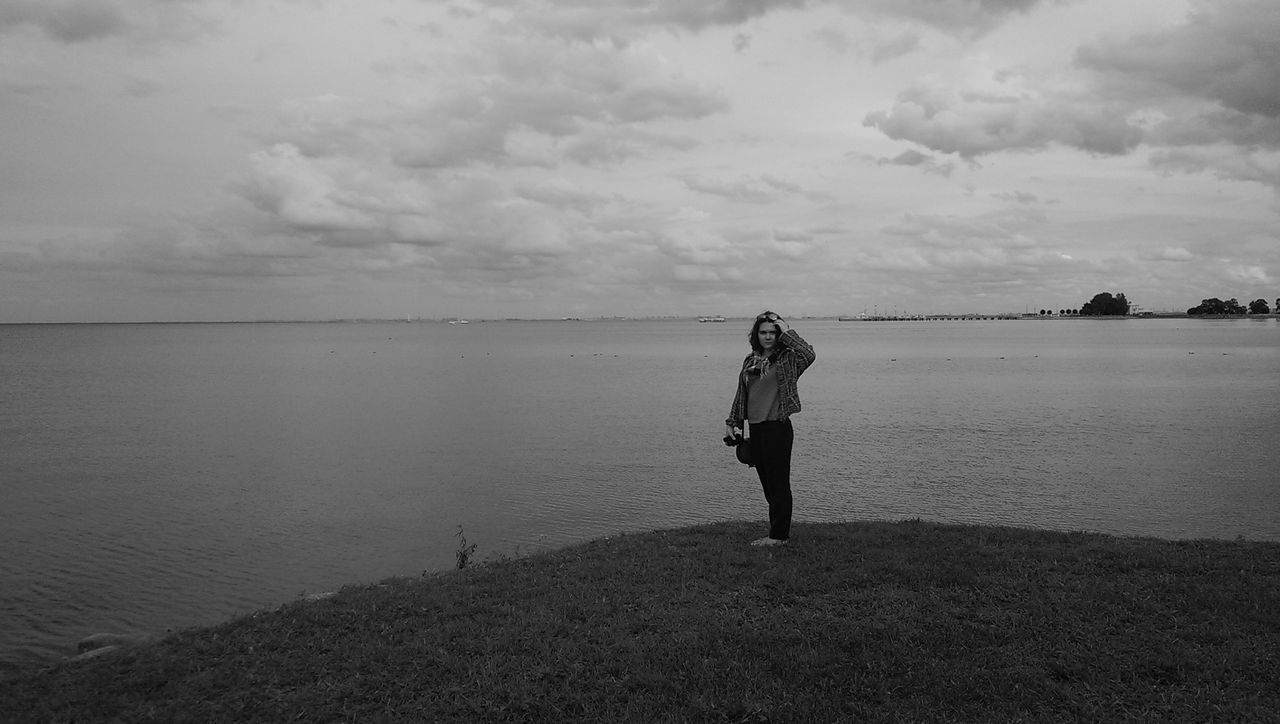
(163, 476)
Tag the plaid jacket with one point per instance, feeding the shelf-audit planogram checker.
(791, 362)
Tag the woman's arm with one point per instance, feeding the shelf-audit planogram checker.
(738, 411)
(792, 340)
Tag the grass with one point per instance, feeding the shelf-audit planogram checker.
(850, 622)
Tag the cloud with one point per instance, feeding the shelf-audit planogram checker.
(895, 47)
(923, 161)
(70, 21)
(531, 103)
(990, 253)
(302, 193)
(1248, 275)
(622, 21)
(175, 249)
(1003, 115)
(695, 273)
(871, 41)
(562, 194)
(701, 257)
(1234, 162)
(792, 244)
(441, 167)
(965, 18)
(1203, 94)
(1170, 253)
(1211, 86)
(1226, 52)
(747, 190)
(83, 21)
(1018, 197)
(611, 146)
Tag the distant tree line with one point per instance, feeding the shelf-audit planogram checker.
(1231, 306)
(1107, 304)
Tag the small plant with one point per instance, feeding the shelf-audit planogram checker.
(465, 550)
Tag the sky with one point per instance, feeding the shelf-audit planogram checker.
(201, 160)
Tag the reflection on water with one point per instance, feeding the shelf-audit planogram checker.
(160, 476)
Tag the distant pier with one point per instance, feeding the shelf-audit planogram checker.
(928, 317)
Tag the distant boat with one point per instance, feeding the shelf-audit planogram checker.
(458, 321)
(716, 318)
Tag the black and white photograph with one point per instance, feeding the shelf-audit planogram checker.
(729, 361)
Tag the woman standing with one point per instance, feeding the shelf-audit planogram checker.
(766, 398)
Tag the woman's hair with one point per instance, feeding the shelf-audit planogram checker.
(754, 338)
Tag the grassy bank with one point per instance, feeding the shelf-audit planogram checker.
(850, 622)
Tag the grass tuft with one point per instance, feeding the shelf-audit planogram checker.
(465, 550)
(848, 622)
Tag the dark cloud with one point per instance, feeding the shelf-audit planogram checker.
(82, 21)
(72, 21)
(622, 19)
(1228, 51)
(962, 18)
(586, 21)
(1215, 82)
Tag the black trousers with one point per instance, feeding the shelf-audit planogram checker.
(771, 451)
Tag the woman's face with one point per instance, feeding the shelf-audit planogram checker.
(768, 335)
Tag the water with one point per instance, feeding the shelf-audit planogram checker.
(163, 476)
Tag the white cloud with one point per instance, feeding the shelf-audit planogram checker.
(1002, 115)
(1169, 253)
(1249, 274)
(302, 193)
